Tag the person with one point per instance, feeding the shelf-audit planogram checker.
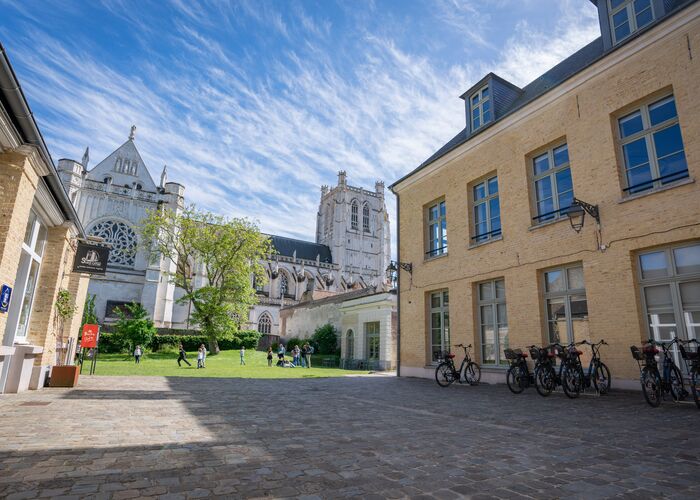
(182, 357)
(242, 355)
(137, 354)
(303, 356)
(296, 355)
(204, 355)
(309, 352)
(269, 356)
(200, 357)
(280, 352)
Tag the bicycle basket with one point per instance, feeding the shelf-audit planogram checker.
(688, 355)
(512, 354)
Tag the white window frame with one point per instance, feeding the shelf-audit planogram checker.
(494, 302)
(443, 309)
(551, 172)
(631, 18)
(565, 294)
(490, 233)
(479, 107)
(436, 247)
(369, 335)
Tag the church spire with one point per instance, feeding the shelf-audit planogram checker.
(133, 132)
(86, 158)
(164, 176)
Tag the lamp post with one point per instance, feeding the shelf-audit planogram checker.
(393, 269)
(577, 214)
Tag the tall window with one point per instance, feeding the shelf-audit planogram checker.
(123, 240)
(670, 281)
(353, 215)
(372, 336)
(365, 218)
(480, 108)
(652, 146)
(554, 190)
(27, 275)
(487, 211)
(264, 324)
(350, 345)
(439, 324)
(627, 16)
(437, 230)
(284, 285)
(567, 308)
(493, 321)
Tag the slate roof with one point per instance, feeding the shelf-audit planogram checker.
(569, 67)
(305, 249)
(341, 297)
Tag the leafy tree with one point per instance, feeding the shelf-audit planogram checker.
(65, 309)
(134, 327)
(224, 251)
(326, 337)
(89, 314)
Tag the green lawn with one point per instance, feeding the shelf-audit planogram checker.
(224, 364)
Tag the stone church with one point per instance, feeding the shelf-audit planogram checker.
(351, 251)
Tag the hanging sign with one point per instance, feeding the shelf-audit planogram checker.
(90, 259)
(5, 295)
(91, 334)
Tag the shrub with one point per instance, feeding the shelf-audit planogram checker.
(110, 342)
(325, 339)
(134, 327)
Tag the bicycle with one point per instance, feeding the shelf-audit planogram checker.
(545, 375)
(446, 373)
(518, 377)
(692, 360)
(654, 386)
(573, 377)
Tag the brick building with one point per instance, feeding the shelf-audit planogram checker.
(615, 125)
(38, 229)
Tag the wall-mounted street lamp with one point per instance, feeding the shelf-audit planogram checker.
(392, 270)
(577, 214)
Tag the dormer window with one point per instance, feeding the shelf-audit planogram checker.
(480, 106)
(628, 16)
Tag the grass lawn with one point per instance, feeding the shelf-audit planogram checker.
(225, 364)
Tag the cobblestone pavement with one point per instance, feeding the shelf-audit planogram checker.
(370, 437)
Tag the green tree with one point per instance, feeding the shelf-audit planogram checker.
(224, 251)
(134, 326)
(326, 337)
(89, 314)
(65, 309)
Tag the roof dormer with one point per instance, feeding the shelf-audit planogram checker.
(488, 100)
(621, 19)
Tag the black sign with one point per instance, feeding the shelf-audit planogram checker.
(90, 259)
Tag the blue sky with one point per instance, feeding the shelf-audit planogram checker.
(254, 104)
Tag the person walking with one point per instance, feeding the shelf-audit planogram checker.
(200, 357)
(242, 355)
(269, 356)
(296, 356)
(138, 352)
(303, 356)
(204, 355)
(309, 352)
(280, 352)
(182, 357)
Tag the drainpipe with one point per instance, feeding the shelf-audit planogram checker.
(398, 285)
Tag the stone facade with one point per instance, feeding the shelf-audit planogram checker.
(583, 112)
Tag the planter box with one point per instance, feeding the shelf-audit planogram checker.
(64, 376)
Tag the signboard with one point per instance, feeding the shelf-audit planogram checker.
(90, 258)
(91, 334)
(5, 295)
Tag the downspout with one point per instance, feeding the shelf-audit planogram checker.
(398, 285)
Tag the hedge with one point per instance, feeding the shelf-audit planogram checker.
(243, 338)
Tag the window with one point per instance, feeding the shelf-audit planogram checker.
(258, 284)
(365, 218)
(628, 16)
(372, 336)
(264, 324)
(554, 189)
(350, 345)
(670, 286)
(566, 305)
(437, 230)
(480, 108)
(487, 211)
(123, 241)
(493, 321)
(439, 324)
(284, 285)
(652, 146)
(113, 306)
(353, 215)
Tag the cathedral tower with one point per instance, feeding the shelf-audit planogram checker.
(353, 222)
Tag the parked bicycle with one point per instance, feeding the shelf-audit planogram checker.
(545, 375)
(518, 377)
(574, 380)
(655, 385)
(692, 360)
(446, 373)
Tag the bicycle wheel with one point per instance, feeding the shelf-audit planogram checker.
(651, 386)
(544, 380)
(678, 392)
(572, 381)
(695, 386)
(601, 378)
(472, 373)
(443, 375)
(513, 378)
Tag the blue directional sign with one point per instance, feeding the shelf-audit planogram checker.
(5, 295)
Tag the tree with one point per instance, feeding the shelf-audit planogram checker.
(134, 327)
(65, 309)
(326, 338)
(89, 314)
(224, 251)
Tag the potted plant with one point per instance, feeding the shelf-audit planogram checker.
(63, 374)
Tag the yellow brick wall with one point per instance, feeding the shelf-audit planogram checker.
(613, 295)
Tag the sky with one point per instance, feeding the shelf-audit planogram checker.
(254, 104)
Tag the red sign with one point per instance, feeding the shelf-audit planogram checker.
(90, 335)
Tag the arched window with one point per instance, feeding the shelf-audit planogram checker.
(365, 218)
(264, 324)
(350, 345)
(123, 241)
(118, 165)
(284, 285)
(353, 215)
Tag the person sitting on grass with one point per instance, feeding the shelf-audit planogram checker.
(182, 357)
